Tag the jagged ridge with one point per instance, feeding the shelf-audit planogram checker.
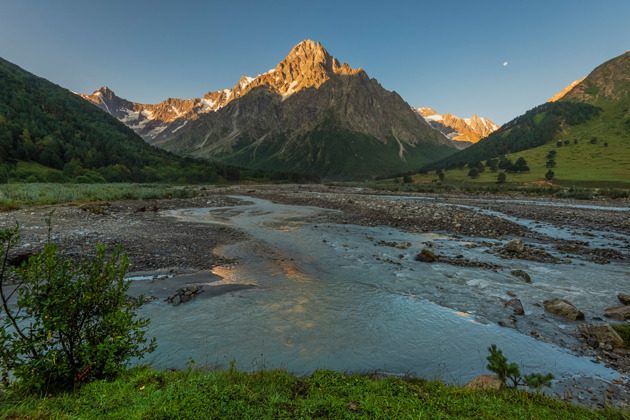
(268, 121)
(463, 132)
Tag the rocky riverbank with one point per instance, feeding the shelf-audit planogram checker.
(162, 246)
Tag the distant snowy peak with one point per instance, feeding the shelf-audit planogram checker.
(307, 65)
(564, 91)
(147, 120)
(461, 131)
(425, 111)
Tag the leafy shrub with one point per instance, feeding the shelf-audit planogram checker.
(73, 322)
(614, 193)
(498, 364)
(624, 333)
(576, 193)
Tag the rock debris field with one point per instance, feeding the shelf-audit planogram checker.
(158, 245)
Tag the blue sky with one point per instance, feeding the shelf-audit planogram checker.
(447, 55)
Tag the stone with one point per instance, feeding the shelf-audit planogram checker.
(516, 305)
(564, 309)
(624, 298)
(618, 313)
(485, 381)
(515, 246)
(602, 333)
(521, 274)
(426, 256)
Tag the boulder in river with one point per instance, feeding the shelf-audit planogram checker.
(426, 256)
(521, 274)
(619, 313)
(515, 246)
(624, 298)
(184, 294)
(486, 381)
(516, 305)
(603, 333)
(563, 308)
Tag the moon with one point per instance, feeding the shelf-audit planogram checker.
(505, 63)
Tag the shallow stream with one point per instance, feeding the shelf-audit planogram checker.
(307, 295)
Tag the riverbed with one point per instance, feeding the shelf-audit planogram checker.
(311, 294)
(311, 277)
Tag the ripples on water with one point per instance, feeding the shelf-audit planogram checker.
(329, 297)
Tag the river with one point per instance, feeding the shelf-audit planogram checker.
(307, 295)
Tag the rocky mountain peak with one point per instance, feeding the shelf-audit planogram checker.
(307, 65)
(461, 131)
(609, 81)
(564, 91)
(103, 93)
(426, 111)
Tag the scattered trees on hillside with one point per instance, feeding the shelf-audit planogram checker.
(536, 127)
(519, 166)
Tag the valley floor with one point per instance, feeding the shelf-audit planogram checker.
(157, 244)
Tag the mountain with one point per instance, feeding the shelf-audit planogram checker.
(463, 132)
(309, 114)
(587, 127)
(564, 91)
(48, 133)
(609, 83)
(150, 121)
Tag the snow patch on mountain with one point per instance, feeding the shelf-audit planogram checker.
(461, 131)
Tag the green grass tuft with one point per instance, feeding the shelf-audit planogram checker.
(624, 332)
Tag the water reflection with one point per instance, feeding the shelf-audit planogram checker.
(331, 297)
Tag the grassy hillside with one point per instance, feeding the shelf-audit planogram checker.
(536, 127)
(580, 161)
(588, 130)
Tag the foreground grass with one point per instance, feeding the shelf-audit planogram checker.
(145, 393)
(14, 196)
